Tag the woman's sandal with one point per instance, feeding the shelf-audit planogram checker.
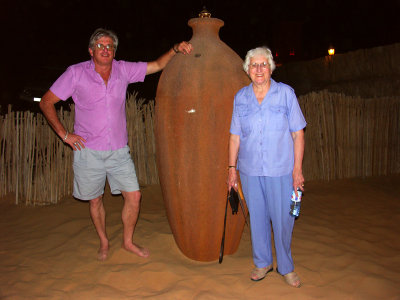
(291, 279)
(258, 274)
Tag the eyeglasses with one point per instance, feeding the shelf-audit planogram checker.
(109, 47)
(263, 66)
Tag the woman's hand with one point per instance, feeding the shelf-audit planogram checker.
(232, 181)
(298, 181)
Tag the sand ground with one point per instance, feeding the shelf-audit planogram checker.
(346, 245)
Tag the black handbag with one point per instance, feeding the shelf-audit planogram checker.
(234, 199)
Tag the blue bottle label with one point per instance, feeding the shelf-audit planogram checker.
(297, 199)
(295, 203)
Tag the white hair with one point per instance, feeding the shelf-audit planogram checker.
(264, 51)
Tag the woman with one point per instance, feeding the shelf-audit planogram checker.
(266, 145)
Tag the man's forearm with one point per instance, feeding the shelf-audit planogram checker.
(163, 60)
(50, 113)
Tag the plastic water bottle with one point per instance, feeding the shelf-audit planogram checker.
(295, 203)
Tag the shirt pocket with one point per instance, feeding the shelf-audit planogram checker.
(278, 117)
(243, 112)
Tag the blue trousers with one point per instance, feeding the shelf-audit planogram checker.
(268, 201)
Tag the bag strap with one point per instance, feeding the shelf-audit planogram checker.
(221, 251)
(242, 206)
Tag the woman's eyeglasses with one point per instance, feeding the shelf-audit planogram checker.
(262, 65)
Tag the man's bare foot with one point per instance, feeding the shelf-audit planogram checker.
(136, 249)
(102, 254)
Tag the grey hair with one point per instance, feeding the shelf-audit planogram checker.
(99, 33)
(264, 51)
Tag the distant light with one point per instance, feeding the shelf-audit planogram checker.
(36, 99)
(291, 52)
(331, 51)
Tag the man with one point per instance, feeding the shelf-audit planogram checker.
(98, 88)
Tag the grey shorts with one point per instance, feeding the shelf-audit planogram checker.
(91, 168)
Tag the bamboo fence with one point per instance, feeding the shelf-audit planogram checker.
(345, 137)
(350, 137)
(36, 166)
(141, 139)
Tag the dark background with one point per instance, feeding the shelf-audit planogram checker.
(40, 39)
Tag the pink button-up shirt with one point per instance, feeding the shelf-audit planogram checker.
(100, 116)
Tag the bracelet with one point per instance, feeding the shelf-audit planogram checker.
(231, 167)
(65, 137)
(175, 50)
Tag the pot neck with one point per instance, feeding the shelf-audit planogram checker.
(206, 26)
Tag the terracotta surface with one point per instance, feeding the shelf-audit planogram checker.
(194, 104)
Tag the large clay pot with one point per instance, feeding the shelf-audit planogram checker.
(194, 104)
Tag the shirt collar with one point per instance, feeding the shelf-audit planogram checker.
(250, 92)
(91, 67)
(91, 64)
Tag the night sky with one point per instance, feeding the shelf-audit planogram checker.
(43, 37)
